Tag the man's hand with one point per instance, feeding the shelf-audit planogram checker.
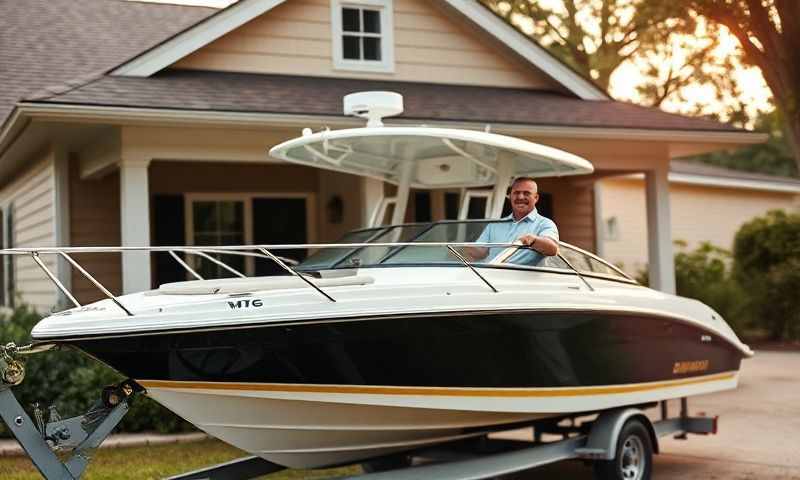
(544, 245)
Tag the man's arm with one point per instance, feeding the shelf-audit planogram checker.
(479, 253)
(541, 243)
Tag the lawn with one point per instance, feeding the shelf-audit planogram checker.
(155, 462)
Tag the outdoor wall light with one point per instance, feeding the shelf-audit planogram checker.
(335, 209)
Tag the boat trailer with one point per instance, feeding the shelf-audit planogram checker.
(620, 442)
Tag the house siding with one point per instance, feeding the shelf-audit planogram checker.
(31, 198)
(698, 214)
(94, 221)
(573, 211)
(295, 39)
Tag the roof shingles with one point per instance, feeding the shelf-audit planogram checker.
(46, 43)
(241, 92)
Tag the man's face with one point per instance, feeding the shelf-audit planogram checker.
(523, 197)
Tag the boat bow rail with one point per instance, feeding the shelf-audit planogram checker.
(249, 283)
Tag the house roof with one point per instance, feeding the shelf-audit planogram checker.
(280, 94)
(49, 42)
(683, 169)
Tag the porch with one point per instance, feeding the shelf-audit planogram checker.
(175, 185)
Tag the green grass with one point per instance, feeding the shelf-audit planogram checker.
(159, 461)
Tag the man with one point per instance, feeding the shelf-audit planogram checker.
(524, 225)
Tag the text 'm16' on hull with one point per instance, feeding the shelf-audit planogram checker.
(316, 393)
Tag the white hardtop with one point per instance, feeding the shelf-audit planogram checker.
(423, 156)
(442, 157)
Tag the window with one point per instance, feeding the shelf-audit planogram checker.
(218, 223)
(247, 219)
(362, 35)
(611, 229)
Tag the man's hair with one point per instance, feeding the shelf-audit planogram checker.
(522, 179)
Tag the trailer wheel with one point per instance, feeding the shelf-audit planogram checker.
(385, 464)
(634, 458)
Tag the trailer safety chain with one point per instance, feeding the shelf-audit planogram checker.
(12, 371)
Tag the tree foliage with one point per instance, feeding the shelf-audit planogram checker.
(669, 46)
(773, 157)
(767, 265)
(769, 34)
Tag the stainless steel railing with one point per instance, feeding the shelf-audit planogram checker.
(206, 252)
(259, 251)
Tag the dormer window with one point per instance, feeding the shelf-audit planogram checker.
(362, 35)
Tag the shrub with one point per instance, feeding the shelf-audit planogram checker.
(72, 381)
(705, 274)
(766, 255)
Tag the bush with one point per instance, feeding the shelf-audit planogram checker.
(72, 381)
(766, 255)
(705, 274)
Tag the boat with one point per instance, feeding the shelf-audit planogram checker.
(395, 338)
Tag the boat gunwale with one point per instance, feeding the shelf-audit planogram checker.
(622, 311)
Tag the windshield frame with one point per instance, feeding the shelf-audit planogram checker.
(381, 230)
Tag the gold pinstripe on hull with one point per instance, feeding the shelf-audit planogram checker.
(437, 391)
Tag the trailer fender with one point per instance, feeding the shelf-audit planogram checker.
(602, 441)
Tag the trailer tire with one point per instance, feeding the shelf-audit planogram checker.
(634, 455)
(385, 464)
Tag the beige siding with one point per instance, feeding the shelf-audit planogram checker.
(699, 214)
(348, 189)
(295, 39)
(32, 196)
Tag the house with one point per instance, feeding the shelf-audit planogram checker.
(708, 204)
(149, 124)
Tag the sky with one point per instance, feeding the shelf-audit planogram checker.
(624, 80)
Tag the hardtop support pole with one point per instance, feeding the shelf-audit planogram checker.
(505, 169)
(403, 190)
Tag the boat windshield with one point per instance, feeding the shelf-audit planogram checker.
(466, 231)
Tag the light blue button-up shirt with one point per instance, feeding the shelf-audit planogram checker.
(509, 230)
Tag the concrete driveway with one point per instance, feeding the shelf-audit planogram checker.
(759, 435)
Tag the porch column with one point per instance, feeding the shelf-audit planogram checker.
(659, 230)
(62, 231)
(599, 221)
(135, 222)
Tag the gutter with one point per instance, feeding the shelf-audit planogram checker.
(112, 114)
(724, 182)
(12, 129)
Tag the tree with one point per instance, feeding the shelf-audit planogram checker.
(769, 34)
(766, 253)
(774, 157)
(596, 37)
